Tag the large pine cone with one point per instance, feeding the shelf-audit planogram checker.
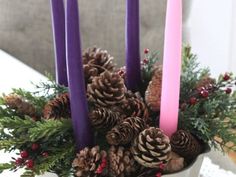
(58, 107)
(87, 162)
(106, 90)
(104, 119)
(126, 131)
(185, 144)
(153, 92)
(151, 148)
(21, 106)
(98, 58)
(96, 61)
(134, 106)
(121, 162)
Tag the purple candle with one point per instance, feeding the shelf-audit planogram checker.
(133, 70)
(58, 19)
(79, 107)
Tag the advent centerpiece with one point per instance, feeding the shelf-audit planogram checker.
(143, 120)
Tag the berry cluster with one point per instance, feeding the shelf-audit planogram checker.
(27, 157)
(204, 92)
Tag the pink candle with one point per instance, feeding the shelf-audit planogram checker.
(171, 67)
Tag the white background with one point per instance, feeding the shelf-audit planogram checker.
(212, 25)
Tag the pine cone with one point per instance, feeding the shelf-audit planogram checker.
(126, 131)
(186, 145)
(98, 58)
(153, 92)
(21, 106)
(96, 61)
(121, 162)
(107, 90)
(87, 162)
(58, 107)
(134, 106)
(206, 82)
(89, 73)
(151, 148)
(104, 119)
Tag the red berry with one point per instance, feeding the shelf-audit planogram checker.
(158, 175)
(162, 166)
(145, 61)
(35, 146)
(121, 72)
(24, 154)
(103, 165)
(228, 90)
(30, 164)
(226, 77)
(45, 154)
(146, 51)
(193, 100)
(104, 160)
(18, 161)
(204, 93)
(99, 170)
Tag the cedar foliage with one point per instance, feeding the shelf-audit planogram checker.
(209, 117)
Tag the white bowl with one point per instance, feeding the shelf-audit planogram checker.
(193, 169)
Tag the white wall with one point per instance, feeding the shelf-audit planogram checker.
(212, 32)
(233, 38)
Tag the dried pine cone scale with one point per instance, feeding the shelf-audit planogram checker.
(153, 92)
(151, 148)
(134, 106)
(121, 162)
(185, 144)
(87, 162)
(89, 72)
(126, 131)
(98, 57)
(95, 62)
(21, 106)
(106, 90)
(58, 107)
(104, 119)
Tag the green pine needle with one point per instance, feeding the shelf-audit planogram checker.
(49, 129)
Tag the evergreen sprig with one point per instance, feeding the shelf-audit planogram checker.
(49, 129)
(206, 119)
(60, 159)
(191, 73)
(49, 89)
(6, 166)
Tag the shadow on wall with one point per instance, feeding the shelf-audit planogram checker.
(25, 28)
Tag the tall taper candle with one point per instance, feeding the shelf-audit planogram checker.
(133, 70)
(79, 107)
(171, 67)
(58, 21)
